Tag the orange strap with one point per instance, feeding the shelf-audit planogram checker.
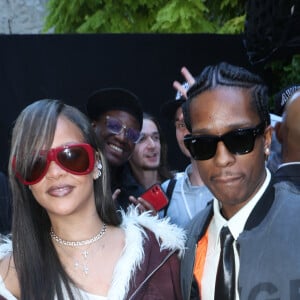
(200, 258)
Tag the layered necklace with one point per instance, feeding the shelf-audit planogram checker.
(75, 244)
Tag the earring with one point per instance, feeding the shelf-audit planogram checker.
(267, 151)
(99, 168)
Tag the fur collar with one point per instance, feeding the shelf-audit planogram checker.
(168, 235)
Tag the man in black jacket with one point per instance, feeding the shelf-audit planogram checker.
(117, 117)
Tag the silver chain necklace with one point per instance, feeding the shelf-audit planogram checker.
(63, 242)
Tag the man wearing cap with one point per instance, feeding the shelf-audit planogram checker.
(288, 134)
(117, 117)
(186, 191)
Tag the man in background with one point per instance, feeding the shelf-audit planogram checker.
(186, 191)
(288, 134)
(117, 117)
(148, 162)
(280, 99)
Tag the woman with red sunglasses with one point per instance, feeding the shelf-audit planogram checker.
(68, 241)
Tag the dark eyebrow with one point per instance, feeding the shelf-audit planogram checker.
(231, 127)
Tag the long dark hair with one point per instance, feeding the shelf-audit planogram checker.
(40, 272)
(163, 169)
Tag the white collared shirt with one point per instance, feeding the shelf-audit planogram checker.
(236, 225)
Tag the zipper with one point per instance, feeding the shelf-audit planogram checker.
(151, 274)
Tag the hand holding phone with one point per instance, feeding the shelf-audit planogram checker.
(156, 197)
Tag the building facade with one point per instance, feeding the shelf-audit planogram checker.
(22, 16)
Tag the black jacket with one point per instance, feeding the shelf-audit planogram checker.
(289, 173)
(125, 181)
(5, 205)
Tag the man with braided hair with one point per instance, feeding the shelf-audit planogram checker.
(227, 115)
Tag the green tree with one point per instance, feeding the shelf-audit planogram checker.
(285, 72)
(161, 16)
(145, 16)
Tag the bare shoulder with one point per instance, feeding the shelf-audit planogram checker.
(9, 275)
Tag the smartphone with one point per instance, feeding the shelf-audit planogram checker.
(156, 197)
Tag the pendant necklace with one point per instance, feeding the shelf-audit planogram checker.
(75, 244)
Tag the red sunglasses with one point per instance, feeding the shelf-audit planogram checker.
(78, 159)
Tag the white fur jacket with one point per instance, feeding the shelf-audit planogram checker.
(149, 265)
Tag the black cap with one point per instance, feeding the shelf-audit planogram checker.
(283, 96)
(107, 99)
(169, 108)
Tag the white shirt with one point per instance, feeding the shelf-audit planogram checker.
(236, 225)
(83, 294)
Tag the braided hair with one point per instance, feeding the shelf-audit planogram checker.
(225, 74)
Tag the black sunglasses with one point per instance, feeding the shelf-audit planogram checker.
(239, 141)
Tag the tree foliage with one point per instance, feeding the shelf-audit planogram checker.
(285, 72)
(160, 16)
(145, 16)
